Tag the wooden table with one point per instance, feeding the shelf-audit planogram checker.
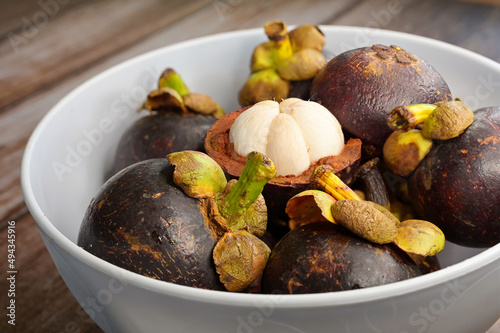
(49, 47)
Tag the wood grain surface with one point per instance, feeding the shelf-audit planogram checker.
(49, 47)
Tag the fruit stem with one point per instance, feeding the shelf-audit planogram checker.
(326, 180)
(409, 117)
(258, 170)
(373, 183)
(170, 79)
(277, 33)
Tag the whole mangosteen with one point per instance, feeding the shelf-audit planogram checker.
(361, 86)
(324, 257)
(178, 120)
(457, 185)
(180, 221)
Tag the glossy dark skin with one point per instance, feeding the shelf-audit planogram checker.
(323, 257)
(141, 221)
(158, 135)
(360, 87)
(457, 186)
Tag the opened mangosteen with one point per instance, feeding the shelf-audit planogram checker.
(324, 257)
(457, 185)
(178, 120)
(361, 86)
(285, 65)
(179, 220)
(297, 135)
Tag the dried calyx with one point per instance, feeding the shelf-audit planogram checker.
(174, 95)
(236, 208)
(285, 57)
(439, 121)
(293, 133)
(365, 219)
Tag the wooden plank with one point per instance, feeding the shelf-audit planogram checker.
(74, 39)
(473, 27)
(24, 16)
(43, 301)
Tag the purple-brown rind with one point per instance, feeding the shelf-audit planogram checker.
(361, 86)
(457, 185)
(157, 135)
(323, 257)
(141, 221)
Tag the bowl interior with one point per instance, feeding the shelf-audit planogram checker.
(70, 153)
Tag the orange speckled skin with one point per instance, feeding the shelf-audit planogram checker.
(457, 185)
(360, 87)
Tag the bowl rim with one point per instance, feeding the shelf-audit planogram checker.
(343, 298)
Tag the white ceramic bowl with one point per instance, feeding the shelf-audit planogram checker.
(70, 152)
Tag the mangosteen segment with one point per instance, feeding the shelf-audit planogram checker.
(293, 133)
(281, 188)
(284, 59)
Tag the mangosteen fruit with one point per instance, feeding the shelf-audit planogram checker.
(361, 86)
(178, 120)
(297, 135)
(324, 257)
(180, 221)
(285, 65)
(457, 185)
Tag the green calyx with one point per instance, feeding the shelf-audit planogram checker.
(236, 207)
(365, 219)
(173, 94)
(290, 56)
(263, 85)
(258, 170)
(240, 256)
(171, 79)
